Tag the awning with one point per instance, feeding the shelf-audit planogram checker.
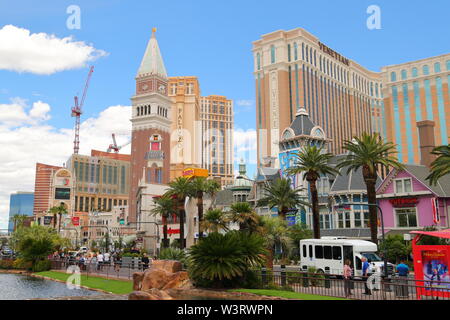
(445, 234)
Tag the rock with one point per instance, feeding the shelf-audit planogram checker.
(161, 294)
(137, 280)
(154, 278)
(141, 295)
(177, 280)
(171, 266)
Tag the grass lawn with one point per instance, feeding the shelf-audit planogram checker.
(114, 286)
(287, 294)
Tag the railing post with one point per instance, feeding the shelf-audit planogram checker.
(283, 275)
(264, 276)
(305, 279)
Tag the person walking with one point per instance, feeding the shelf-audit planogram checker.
(403, 272)
(100, 259)
(145, 262)
(365, 274)
(348, 271)
(107, 259)
(116, 260)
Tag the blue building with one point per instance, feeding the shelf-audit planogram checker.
(20, 203)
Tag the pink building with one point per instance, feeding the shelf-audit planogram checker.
(406, 196)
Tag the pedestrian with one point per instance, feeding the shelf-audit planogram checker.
(100, 259)
(116, 259)
(107, 259)
(145, 261)
(403, 271)
(347, 278)
(365, 274)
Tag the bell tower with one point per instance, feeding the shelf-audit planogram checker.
(150, 144)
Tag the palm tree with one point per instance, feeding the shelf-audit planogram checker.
(313, 162)
(370, 153)
(243, 213)
(280, 194)
(215, 221)
(164, 206)
(441, 166)
(58, 210)
(275, 233)
(181, 188)
(200, 186)
(17, 220)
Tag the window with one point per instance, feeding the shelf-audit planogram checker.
(393, 76)
(425, 70)
(448, 65)
(337, 253)
(289, 52)
(414, 72)
(304, 251)
(295, 51)
(311, 251)
(258, 61)
(272, 54)
(403, 185)
(327, 252)
(319, 252)
(437, 67)
(406, 217)
(404, 75)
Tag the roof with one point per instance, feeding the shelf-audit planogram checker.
(351, 233)
(224, 197)
(445, 234)
(152, 62)
(267, 174)
(302, 124)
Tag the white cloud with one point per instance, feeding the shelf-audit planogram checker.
(245, 145)
(31, 140)
(245, 103)
(42, 53)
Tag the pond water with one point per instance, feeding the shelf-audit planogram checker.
(21, 287)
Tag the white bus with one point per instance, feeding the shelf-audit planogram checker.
(328, 254)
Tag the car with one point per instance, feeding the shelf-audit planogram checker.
(6, 251)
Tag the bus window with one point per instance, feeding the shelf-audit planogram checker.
(337, 253)
(327, 252)
(358, 263)
(311, 251)
(319, 252)
(304, 251)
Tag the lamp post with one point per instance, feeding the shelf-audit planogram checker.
(382, 228)
(155, 223)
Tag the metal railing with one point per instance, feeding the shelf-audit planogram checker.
(393, 288)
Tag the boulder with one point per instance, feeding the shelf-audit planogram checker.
(171, 266)
(141, 295)
(137, 280)
(178, 280)
(154, 278)
(161, 294)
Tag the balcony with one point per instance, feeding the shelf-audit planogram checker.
(154, 155)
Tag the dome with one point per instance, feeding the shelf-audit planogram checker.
(242, 181)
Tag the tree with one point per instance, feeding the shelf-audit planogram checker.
(243, 213)
(370, 153)
(396, 248)
(18, 220)
(58, 211)
(313, 162)
(280, 194)
(222, 260)
(215, 220)
(181, 188)
(164, 207)
(297, 232)
(201, 186)
(274, 232)
(441, 165)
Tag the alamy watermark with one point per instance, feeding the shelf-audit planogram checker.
(73, 282)
(73, 22)
(374, 20)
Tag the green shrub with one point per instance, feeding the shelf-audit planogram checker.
(22, 264)
(42, 265)
(173, 254)
(6, 264)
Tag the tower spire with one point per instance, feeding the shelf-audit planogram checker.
(152, 62)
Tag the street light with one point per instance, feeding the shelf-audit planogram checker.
(382, 227)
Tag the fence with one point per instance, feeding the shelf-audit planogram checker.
(394, 288)
(122, 269)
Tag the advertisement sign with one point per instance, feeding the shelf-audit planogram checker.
(62, 193)
(404, 202)
(48, 220)
(435, 269)
(76, 221)
(173, 231)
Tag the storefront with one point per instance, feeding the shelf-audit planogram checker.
(409, 202)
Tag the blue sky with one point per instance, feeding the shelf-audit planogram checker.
(209, 39)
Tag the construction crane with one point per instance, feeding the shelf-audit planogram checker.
(114, 147)
(77, 111)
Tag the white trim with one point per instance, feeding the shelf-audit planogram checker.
(396, 195)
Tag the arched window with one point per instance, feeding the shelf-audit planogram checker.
(414, 72)
(272, 54)
(258, 61)
(437, 67)
(376, 90)
(404, 74)
(295, 51)
(137, 110)
(393, 76)
(307, 51)
(425, 70)
(448, 65)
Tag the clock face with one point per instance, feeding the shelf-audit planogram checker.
(162, 88)
(144, 87)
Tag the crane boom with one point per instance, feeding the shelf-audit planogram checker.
(77, 111)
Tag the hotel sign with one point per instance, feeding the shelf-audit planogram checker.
(333, 53)
(404, 202)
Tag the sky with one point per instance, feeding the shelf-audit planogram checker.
(44, 63)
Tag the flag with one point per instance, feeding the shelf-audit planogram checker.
(435, 209)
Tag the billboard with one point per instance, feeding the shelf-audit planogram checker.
(62, 193)
(48, 220)
(435, 269)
